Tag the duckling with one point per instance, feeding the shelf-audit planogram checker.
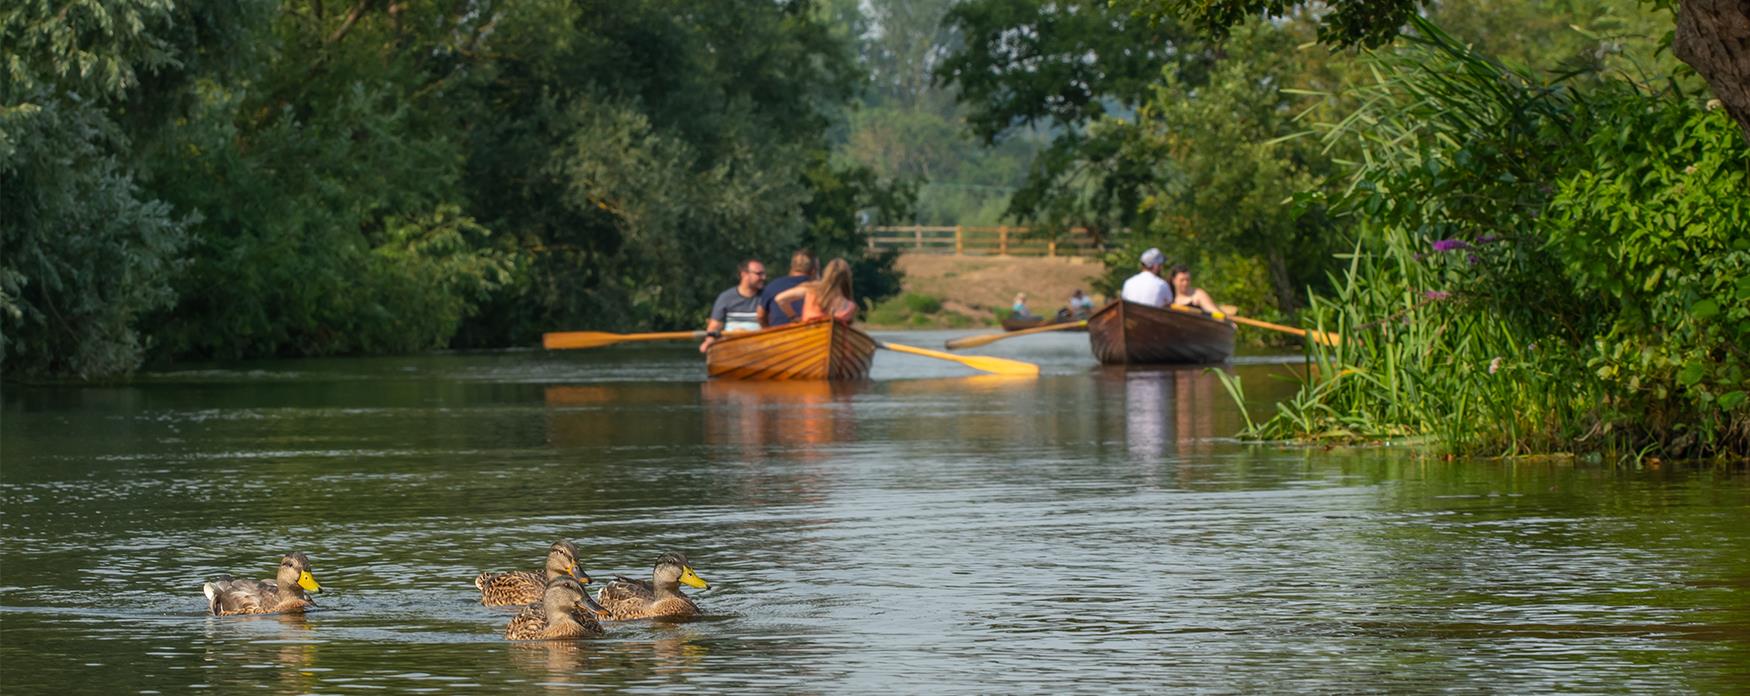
(524, 587)
(565, 611)
(660, 597)
(285, 593)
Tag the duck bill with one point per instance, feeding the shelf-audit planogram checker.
(308, 582)
(692, 579)
(581, 576)
(590, 604)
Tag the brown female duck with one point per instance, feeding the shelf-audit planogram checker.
(524, 587)
(565, 611)
(284, 593)
(658, 598)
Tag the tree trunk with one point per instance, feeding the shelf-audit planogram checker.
(1713, 36)
(1286, 299)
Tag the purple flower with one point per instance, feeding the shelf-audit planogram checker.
(1473, 258)
(1488, 239)
(1446, 245)
(1437, 294)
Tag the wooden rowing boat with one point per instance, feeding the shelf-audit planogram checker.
(815, 350)
(1013, 324)
(1127, 333)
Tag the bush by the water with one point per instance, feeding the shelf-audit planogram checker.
(1541, 267)
(916, 310)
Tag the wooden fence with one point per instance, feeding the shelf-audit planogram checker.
(961, 240)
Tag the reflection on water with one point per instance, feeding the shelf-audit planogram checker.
(929, 530)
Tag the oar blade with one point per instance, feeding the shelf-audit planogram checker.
(999, 366)
(562, 340)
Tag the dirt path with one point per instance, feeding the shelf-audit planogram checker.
(975, 285)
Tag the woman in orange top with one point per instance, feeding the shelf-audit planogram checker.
(828, 297)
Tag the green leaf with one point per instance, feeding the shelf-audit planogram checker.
(1705, 309)
(1690, 374)
(1730, 400)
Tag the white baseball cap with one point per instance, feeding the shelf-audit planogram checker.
(1153, 257)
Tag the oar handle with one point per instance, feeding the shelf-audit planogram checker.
(560, 340)
(976, 341)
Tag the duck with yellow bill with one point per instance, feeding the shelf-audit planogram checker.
(527, 587)
(625, 599)
(287, 592)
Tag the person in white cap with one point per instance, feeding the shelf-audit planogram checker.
(1148, 287)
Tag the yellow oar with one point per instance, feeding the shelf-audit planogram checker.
(1329, 339)
(1000, 366)
(976, 341)
(595, 339)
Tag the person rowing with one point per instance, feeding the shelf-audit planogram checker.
(1186, 296)
(1148, 287)
(737, 309)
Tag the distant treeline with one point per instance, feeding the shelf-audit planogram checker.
(224, 179)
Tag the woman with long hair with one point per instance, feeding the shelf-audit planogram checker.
(828, 297)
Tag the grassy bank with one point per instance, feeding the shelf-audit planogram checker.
(1531, 278)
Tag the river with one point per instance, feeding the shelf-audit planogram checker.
(927, 531)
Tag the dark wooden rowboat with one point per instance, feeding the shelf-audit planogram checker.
(1127, 333)
(816, 350)
(1013, 324)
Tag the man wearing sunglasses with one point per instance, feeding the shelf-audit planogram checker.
(737, 309)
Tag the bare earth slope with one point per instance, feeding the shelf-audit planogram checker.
(976, 285)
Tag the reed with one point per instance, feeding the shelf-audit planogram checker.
(1516, 286)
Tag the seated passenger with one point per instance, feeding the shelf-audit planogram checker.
(1019, 309)
(829, 297)
(737, 309)
(803, 267)
(1080, 305)
(1147, 287)
(1185, 295)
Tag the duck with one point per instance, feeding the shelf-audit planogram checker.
(625, 599)
(565, 611)
(525, 587)
(286, 593)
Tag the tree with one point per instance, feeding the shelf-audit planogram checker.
(1712, 36)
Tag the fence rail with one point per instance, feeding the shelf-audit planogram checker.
(962, 240)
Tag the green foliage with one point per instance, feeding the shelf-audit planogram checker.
(1543, 266)
(85, 252)
(916, 310)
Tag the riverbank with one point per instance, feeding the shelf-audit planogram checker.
(940, 291)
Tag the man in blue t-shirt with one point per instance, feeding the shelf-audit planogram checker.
(803, 267)
(737, 309)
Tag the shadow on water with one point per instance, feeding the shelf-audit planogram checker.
(929, 529)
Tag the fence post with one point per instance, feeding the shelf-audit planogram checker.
(1003, 240)
(1051, 248)
(959, 244)
(917, 232)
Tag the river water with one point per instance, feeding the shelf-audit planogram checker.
(928, 531)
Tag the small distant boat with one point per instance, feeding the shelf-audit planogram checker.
(815, 350)
(1013, 324)
(1127, 333)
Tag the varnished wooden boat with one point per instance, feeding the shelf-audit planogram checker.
(815, 350)
(1127, 333)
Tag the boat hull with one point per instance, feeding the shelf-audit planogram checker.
(1127, 333)
(812, 351)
